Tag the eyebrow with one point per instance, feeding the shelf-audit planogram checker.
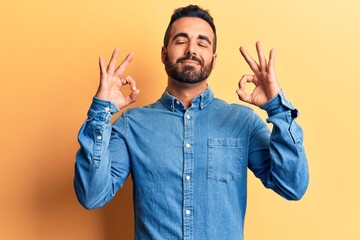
(180, 35)
(201, 37)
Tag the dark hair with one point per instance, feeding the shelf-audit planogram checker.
(190, 11)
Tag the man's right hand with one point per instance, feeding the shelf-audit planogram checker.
(112, 80)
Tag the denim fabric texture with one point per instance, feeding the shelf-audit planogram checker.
(189, 166)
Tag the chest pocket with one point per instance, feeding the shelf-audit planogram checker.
(225, 159)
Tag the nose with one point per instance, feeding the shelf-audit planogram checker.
(191, 49)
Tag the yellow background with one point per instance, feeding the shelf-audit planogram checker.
(49, 73)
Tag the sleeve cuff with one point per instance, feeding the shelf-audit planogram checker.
(102, 109)
(279, 104)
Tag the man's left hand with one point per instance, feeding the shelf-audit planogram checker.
(264, 79)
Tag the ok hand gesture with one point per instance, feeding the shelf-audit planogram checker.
(264, 79)
(112, 80)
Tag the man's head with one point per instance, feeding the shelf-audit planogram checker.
(191, 11)
(189, 45)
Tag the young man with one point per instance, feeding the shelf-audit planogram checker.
(188, 153)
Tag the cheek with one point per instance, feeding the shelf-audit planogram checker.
(208, 58)
(171, 58)
(174, 55)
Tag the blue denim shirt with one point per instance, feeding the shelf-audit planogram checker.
(189, 166)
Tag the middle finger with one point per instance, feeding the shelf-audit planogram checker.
(262, 59)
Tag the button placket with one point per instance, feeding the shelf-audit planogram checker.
(188, 172)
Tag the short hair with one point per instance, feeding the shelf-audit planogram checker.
(190, 11)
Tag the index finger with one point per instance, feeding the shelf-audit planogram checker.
(122, 67)
(251, 62)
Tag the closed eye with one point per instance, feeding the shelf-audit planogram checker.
(203, 44)
(204, 41)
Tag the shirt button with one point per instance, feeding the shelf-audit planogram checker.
(99, 137)
(187, 212)
(188, 116)
(188, 145)
(187, 177)
(177, 102)
(107, 109)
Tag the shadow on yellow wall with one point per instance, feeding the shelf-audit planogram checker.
(118, 215)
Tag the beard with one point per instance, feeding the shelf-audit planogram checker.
(189, 73)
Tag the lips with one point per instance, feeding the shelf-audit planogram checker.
(191, 62)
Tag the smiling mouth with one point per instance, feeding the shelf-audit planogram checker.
(190, 60)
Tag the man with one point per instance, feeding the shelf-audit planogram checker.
(188, 153)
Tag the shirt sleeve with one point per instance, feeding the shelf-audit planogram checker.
(100, 168)
(279, 160)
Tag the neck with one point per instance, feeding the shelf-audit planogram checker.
(185, 92)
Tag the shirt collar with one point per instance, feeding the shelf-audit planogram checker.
(199, 102)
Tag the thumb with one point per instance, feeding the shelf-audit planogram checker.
(243, 96)
(134, 95)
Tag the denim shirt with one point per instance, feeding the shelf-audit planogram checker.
(189, 166)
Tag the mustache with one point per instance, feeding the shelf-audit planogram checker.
(193, 58)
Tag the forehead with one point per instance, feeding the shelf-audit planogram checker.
(193, 26)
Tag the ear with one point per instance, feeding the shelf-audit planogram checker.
(214, 62)
(163, 54)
